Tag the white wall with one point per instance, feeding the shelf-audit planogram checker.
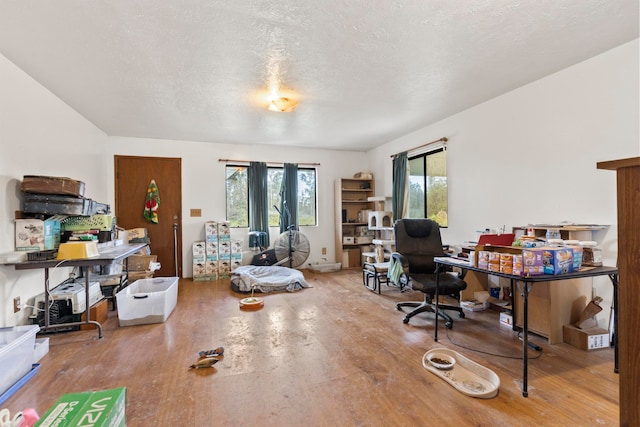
(203, 184)
(529, 156)
(39, 135)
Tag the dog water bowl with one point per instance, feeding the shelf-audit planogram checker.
(466, 376)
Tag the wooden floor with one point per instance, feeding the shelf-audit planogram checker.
(335, 354)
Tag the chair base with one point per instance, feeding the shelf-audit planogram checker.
(428, 306)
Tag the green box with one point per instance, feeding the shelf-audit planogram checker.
(103, 408)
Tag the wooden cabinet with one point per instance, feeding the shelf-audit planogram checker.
(352, 210)
(628, 187)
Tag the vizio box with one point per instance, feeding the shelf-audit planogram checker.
(103, 408)
(147, 301)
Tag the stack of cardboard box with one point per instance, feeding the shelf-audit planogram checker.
(217, 256)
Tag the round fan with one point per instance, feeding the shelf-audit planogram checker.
(291, 248)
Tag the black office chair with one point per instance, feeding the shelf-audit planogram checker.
(418, 241)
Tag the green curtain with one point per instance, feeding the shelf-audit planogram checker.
(289, 194)
(258, 198)
(400, 185)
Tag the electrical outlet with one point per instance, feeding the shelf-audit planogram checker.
(324, 251)
(16, 304)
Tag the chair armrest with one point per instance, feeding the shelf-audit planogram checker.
(404, 262)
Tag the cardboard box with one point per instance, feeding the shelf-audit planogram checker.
(236, 249)
(94, 408)
(224, 231)
(199, 269)
(211, 268)
(474, 305)
(211, 231)
(198, 250)
(532, 262)
(136, 235)
(506, 319)
(37, 235)
(586, 339)
(97, 312)
(348, 240)
(140, 262)
(578, 253)
(224, 250)
(557, 260)
(224, 267)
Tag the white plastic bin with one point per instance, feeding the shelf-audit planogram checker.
(147, 301)
(16, 353)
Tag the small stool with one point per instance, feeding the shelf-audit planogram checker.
(374, 274)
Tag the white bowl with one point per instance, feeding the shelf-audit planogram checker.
(441, 360)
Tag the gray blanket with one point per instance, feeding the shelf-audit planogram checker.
(267, 279)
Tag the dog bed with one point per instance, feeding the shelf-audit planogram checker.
(267, 279)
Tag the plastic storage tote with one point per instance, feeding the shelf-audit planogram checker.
(147, 301)
(16, 353)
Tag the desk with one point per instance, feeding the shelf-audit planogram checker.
(105, 257)
(524, 287)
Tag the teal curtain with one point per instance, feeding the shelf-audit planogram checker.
(400, 185)
(258, 198)
(289, 197)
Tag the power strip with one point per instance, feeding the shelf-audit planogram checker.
(531, 345)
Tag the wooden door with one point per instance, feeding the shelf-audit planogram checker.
(132, 177)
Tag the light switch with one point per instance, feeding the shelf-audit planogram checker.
(196, 212)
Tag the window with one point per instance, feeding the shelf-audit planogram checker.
(237, 186)
(428, 186)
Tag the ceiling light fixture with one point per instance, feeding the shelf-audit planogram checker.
(281, 105)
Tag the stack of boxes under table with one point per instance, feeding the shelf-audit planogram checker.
(217, 256)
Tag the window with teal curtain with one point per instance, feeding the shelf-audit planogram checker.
(400, 188)
(289, 197)
(428, 196)
(258, 198)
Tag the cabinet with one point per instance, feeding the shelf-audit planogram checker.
(628, 194)
(352, 207)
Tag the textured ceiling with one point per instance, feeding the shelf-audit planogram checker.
(363, 71)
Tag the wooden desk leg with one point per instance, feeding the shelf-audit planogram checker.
(524, 289)
(614, 282)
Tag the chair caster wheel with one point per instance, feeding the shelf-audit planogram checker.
(405, 320)
(449, 325)
(461, 315)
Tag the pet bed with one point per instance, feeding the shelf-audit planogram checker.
(267, 279)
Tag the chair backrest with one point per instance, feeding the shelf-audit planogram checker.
(419, 241)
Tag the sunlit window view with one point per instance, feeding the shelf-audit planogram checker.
(428, 187)
(237, 187)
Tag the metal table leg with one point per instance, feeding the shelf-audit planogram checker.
(524, 289)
